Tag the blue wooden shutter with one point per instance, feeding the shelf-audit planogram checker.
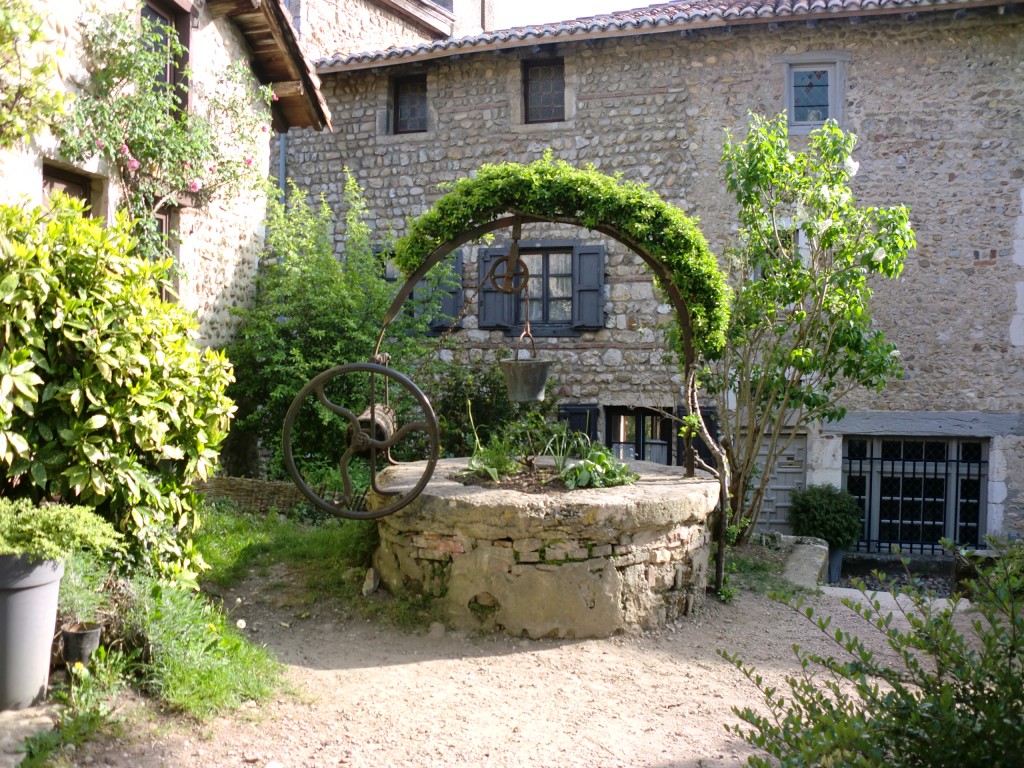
(495, 307)
(451, 301)
(588, 287)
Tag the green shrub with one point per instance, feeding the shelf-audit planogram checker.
(952, 696)
(104, 399)
(52, 531)
(828, 513)
(314, 311)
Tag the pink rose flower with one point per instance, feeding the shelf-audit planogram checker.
(248, 161)
(133, 164)
(195, 185)
(125, 150)
(273, 97)
(265, 127)
(213, 168)
(100, 144)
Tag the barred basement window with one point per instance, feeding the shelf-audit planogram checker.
(916, 491)
(544, 91)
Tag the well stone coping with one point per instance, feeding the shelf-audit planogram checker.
(584, 563)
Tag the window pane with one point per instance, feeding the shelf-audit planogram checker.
(810, 95)
(163, 26)
(411, 105)
(560, 311)
(560, 263)
(561, 287)
(545, 91)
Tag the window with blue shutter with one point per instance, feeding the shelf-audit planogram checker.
(565, 294)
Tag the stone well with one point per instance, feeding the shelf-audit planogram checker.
(584, 563)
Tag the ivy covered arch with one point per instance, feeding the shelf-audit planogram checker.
(550, 190)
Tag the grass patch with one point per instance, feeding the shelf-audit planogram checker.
(759, 568)
(196, 660)
(328, 557)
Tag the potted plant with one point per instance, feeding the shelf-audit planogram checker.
(34, 540)
(828, 513)
(79, 603)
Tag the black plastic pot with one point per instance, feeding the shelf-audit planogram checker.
(80, 642)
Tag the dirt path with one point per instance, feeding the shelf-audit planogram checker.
(366, 696)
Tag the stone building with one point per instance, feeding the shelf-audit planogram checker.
(934, 91)
(218, 245)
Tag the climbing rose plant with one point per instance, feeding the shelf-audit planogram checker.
(27, 102)
(160, 153)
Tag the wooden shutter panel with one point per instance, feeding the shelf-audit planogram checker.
(588, 287)
(495, 307)
(451, 302)
(580, 418)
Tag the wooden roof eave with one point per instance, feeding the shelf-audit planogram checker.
(278, 61)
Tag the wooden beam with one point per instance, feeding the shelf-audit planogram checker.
(288, 88)
(218, 9)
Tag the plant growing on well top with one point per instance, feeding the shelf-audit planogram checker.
(106, 402)
(828, 513)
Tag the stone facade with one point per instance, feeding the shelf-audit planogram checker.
(587, 563)
(936, 102)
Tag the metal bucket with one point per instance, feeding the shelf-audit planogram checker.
(525, 379)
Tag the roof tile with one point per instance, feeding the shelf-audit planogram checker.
(678, 15)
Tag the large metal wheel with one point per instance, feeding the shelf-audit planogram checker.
(383, 398)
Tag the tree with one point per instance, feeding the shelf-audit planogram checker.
(801, 335)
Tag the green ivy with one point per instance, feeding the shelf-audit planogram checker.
(553, 189)
(104, 399)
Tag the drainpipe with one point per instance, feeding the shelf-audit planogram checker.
(282, 165)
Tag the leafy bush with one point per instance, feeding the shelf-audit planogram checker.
(953, 696)
(51, 531)
(105, 400)
(828, 513)
(314, 311)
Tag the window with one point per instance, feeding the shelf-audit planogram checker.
(409, 104)
(544, 91)
(171, 17)
(71, 184)
(641, 433)
(564, 294)
(916, 491)
(815, 89)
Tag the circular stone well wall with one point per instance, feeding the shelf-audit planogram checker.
(584, 563)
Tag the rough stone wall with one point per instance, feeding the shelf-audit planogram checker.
(586, 563)
(349, 26)
(219, 245)
(936, 103)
